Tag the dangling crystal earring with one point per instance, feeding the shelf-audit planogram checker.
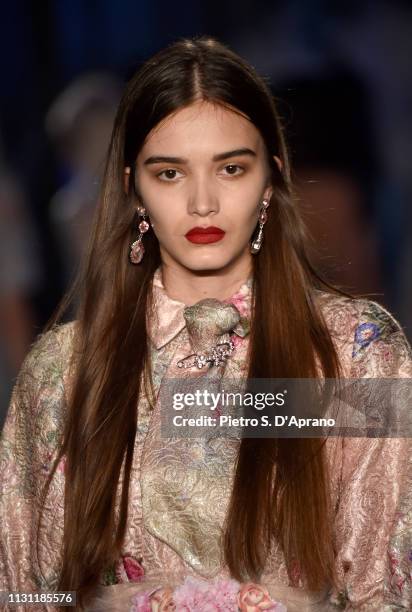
(136, 248)
(257, 243)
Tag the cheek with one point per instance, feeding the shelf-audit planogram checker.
(243, 215)
(243, 205)
(167, 210)
(162, 209)
(166, 218)
(158, 216)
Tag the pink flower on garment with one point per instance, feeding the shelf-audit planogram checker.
(197, 595)
(141, 602)
(129, 569)
(162, 601)
(239, 300)
(254, 597)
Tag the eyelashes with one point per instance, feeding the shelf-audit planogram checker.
(170, 175)
(167, 176)
(236, 167)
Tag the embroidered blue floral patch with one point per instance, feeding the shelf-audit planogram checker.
(365, 333)
(377, 324)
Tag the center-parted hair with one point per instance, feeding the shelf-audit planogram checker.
(280, 490)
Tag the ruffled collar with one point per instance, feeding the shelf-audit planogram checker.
(168, 316)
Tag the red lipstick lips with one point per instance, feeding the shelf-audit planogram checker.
(205, 235)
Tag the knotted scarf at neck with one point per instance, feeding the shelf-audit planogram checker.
(208, 322)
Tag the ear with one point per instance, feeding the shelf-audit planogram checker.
(278, 162)
(126, 179)
(269, 190)
(268, 193)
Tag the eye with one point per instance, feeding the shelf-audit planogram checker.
(168, 175)
(233, 169)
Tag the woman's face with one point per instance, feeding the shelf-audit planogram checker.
(203, 167)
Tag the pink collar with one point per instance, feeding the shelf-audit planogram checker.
(168, 319)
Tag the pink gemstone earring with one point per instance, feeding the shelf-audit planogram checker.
(257, 243)
(136, 248)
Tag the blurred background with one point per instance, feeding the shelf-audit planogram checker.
(340, 71)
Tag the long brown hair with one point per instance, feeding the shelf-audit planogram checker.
(280, 489)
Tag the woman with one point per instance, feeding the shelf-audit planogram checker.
(197, 205)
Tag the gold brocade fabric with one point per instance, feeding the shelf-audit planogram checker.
(180, 487)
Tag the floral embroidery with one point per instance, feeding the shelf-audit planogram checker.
(254, 597)
(365, 333)
(241, 299)
(378, 324)
(196, 595)
(399, 570)
(129, 569)
(156, 600)
(141, 602)
(397, 575)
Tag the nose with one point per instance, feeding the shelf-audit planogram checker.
(203, 200)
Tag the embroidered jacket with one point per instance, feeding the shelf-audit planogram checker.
(180, 487)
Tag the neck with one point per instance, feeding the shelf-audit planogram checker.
(190, 286)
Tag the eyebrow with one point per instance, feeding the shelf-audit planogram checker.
(157, 159)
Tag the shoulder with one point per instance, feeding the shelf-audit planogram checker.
(46, 367)
(367, 334)
(360, 319)
(51, 351)
(38, 405)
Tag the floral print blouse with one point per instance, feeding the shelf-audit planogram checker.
(180, 488)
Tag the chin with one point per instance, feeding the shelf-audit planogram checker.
(204, 264)
(205, 259)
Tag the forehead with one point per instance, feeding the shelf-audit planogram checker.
(202, 127)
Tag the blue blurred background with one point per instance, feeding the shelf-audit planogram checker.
(340, 71)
